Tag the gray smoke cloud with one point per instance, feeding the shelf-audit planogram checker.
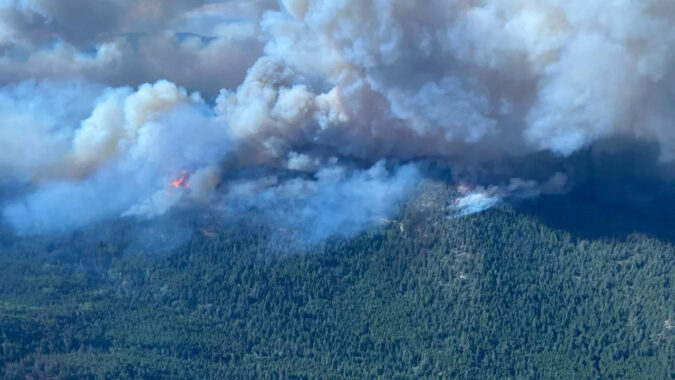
(331, 105)
(202, 45)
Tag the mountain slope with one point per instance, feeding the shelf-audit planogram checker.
(502, 294)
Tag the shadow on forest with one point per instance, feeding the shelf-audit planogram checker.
(620, 188)
(587, 216)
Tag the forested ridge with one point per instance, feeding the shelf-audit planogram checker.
(502, 294)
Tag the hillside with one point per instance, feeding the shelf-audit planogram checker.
(508, 293)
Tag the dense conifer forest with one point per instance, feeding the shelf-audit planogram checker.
(512, 293)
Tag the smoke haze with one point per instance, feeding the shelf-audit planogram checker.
(322, 115)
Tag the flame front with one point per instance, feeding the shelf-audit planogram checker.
(182, 181)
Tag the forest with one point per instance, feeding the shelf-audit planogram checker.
(558, 288)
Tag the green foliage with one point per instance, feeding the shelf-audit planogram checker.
(496, 295)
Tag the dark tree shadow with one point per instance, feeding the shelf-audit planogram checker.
(588, 216)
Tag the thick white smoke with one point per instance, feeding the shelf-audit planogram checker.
(336, 202)
(322, 99)
(471, 200)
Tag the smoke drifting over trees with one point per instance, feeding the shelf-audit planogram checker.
(316, 112)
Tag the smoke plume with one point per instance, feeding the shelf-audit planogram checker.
(319, 115)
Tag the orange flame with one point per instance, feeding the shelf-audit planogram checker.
(182, 181)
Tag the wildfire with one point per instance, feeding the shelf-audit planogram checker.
(182, 181)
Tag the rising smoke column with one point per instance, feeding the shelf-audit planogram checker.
(338, 95)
